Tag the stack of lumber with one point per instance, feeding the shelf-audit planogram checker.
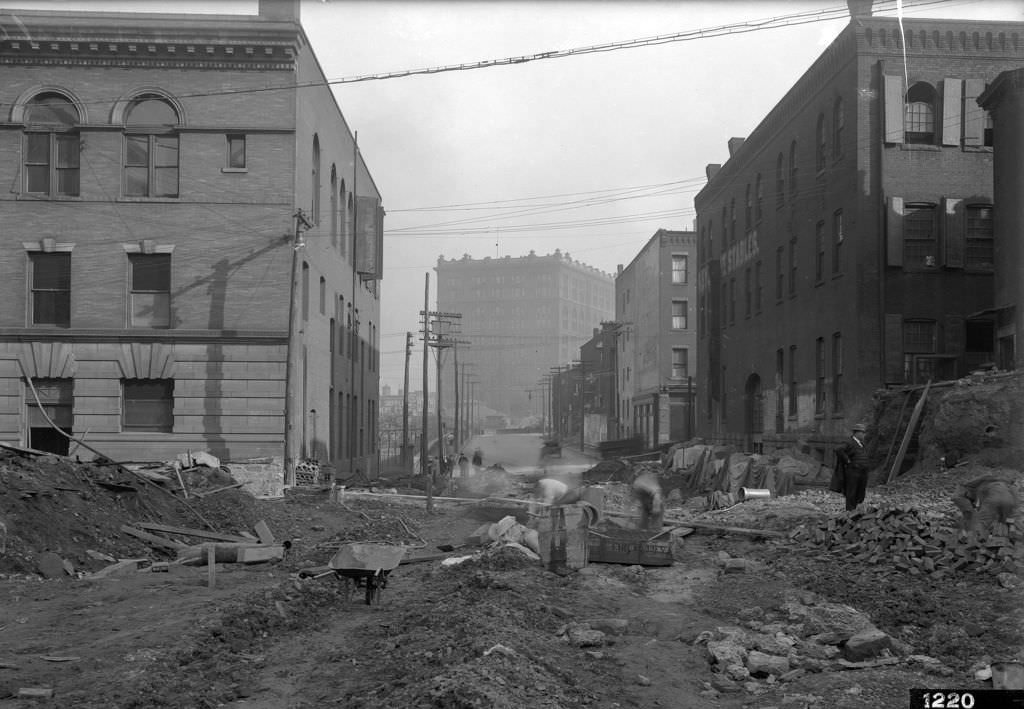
(913, 543)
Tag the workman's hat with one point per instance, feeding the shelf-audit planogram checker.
(859, 427)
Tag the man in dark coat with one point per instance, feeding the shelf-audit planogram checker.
(854, 459)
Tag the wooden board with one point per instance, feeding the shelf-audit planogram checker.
(263, 532)
(152, 538)
(187, 531)
(255, 554)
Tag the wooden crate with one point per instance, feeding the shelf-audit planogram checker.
(629, 546)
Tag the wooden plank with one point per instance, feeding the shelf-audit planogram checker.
(263, 532)
(207, 493)
(909, 434)
(153, 539)
(255, 554)
(188, 531)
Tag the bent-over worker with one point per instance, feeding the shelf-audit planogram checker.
(984, 501)
(647, 491)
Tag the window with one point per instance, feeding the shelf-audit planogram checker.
(780, 275)
(334, 206)
(315, 207)
(305, 291)
(980, 252)
(679, 268)
(150, 290)
(747, 295)
(919, 116)
(792, 381)
(780, 182)
(820, 144)
(680, 314)
(837, 372)
(732, 301)
(919, 336)
(151, 148)
(725, 228)
(792, 169)
(780, 398)
(51, 289)
(837, 241)
(792, 266)
(919, 242)
(838, 126)
(725, 304)
(148, 405)
(680, 363)
(758, 287)
(988, 135)
(732, 221)
(236, 152)
(323, 295)
(819, 375)
(56, 402)
(51, 146)
(819, 259)
(748, 210)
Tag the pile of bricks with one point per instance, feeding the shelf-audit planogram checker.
(913, 542)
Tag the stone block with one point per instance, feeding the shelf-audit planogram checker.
(762, 664)
(866, 644)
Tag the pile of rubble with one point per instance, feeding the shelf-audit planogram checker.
(915, 542)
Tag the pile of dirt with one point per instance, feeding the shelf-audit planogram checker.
(54, 504)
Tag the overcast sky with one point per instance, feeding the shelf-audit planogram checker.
(590, 154)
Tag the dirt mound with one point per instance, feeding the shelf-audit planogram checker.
(53, 504)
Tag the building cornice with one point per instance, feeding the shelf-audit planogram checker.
(1008, 81)
(118, 336)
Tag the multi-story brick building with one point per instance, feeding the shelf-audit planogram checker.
(657, 340)
(175, 182)
(847, 244)
(522, 316)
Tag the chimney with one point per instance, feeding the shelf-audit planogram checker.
(284, 10)
(734, 145)
(859, 8)
(712, 169)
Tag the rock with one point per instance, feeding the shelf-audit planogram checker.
(610, 626)
(582, 635)
(710, 693)
(643, 681)
(866, 644)
(762, 664)
(752, 613)
(737, 673)
(792, 675)
(752, 687)
(726, 652)
(1007, 580)
(771, 645)
(50, 565)
(855, 690)
(596, 654)
(724, 684)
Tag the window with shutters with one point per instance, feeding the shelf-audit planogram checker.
(147, 405)
(919, 114)
(151, 152)
(980, 243)
(52, 146)
(919, 237)
(50, 283)
(150, 290)
(919, 336)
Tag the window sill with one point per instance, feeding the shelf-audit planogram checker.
(977, 148)
(920, 147)
(234, 169)
(837, 275)
(36, 197)
(170, 200)
(819, 282)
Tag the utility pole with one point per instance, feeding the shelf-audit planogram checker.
(425, 469)
(455, 428)
(441, 341)
(405, 404)
(293, 348)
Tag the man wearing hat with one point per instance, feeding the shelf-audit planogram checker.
(854, 457)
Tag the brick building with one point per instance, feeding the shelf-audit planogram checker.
(157, 165)
(847, 243)
(522, 316)
(657, 341)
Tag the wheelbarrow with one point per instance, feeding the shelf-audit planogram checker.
(366, 566)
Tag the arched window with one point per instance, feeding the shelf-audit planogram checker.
(151, 148)
(838, 125)
(315, 208)
(343, 220)
(919, 119)
(748, 210)
(780, 182)
(51, 146)
(334, 206)
(820, 144)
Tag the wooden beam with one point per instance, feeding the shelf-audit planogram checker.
(908, 435)
(188, 531)
(153, 539)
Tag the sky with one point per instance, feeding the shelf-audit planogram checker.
(590, 153)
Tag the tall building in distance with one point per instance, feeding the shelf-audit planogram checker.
(657, 340)
(193, 243)
(522, 317)
(847, 244)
